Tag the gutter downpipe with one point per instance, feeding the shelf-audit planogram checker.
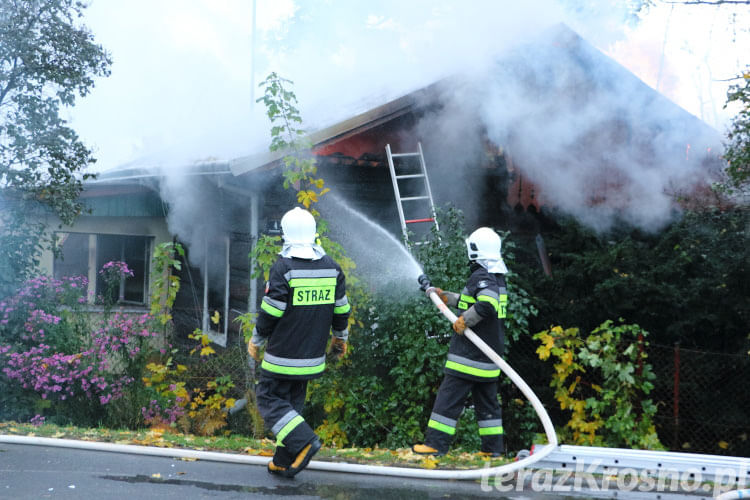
(339, 467)
(253, 299)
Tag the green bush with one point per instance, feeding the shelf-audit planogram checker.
(383, 392)
(688, 283)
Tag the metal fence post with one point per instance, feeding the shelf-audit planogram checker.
(676, 398)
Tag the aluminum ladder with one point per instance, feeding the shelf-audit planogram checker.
(419, 198)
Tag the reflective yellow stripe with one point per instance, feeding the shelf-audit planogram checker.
(491, 300)
(288, 428)
(470, 370)
(503, 309)
(465, 300)
(342, 309)
(489, 431)
(293, 370)
(296, 282)
(441, 427)
(277, 313)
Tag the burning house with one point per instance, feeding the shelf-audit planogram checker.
(552, 125)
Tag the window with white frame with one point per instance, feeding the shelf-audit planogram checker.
(84, 254)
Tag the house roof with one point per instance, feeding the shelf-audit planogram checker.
(341, 130)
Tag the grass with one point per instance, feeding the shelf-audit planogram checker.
(234, 443)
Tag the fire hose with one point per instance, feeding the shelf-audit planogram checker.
(538, 454)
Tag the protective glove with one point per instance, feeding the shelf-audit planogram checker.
(338, 348)
(255, 344)
(459, 325)
(253, 350)
(439, 292)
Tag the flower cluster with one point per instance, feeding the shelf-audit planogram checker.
(37, 420)
(116, 268)
(155, 414)
(42, 293)
(121, 334)
(36, 323)
(58, 376)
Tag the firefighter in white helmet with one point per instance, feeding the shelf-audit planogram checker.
(482, 305)
(305, 300)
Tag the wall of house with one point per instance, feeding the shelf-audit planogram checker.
(155, 227)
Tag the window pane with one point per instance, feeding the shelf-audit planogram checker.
(73, 259)
(135, 248)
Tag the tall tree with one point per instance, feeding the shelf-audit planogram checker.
(47, 59)
(737, 147)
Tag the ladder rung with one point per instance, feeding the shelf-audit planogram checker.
(415, 198)
(399, 155)
(412, 221)
(409, 176)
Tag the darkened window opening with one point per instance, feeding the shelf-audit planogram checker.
(83, 254)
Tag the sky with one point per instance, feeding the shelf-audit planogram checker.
(183, 75)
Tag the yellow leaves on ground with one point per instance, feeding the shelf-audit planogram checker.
(429, 463)
(154, 437)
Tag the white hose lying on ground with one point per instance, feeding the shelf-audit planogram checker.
(340, 467)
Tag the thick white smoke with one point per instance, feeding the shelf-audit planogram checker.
(183, 79)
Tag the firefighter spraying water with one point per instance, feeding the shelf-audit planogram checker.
(482, 304)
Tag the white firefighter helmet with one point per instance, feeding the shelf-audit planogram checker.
(484, 246)
(298, 227)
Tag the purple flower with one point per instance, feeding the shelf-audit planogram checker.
(37, 420)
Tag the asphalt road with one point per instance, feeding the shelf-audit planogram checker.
(31, 472)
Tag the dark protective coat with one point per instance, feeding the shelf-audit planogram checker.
(304, 300)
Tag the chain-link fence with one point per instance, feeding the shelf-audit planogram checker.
(702, 402)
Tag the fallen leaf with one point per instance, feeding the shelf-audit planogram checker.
(188, 459)
(156, 475)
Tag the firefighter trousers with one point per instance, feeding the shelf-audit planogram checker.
(450, 403)
(280, 403)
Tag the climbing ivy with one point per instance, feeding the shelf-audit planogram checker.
(164, 283)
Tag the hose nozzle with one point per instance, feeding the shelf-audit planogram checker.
(424, 282)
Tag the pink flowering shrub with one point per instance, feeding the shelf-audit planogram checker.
(49, 353)
(45, 310)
